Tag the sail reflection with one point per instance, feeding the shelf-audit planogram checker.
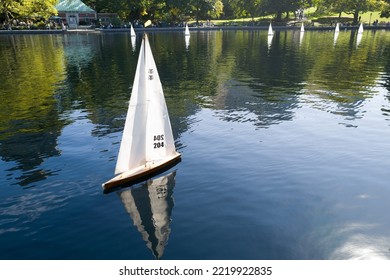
(133, 43)
(301, 34)
(359, 39)
(269, 40)
(187, 41)
(335, 37)
(150, 207)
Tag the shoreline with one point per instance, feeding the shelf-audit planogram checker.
(193, 29)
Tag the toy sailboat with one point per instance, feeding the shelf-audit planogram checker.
(337, 28)
(270, 30)
(132, 32)
(147, 147)
(360, 30)
(187, 31)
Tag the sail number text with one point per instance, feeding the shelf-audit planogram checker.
(150, 74)
(158, 141)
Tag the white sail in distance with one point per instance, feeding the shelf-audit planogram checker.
(270, 31)
(360, 31)
(337, 28)
(132, 32)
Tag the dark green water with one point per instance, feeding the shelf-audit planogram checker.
(284, 140)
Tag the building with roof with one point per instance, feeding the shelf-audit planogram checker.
(75, 13)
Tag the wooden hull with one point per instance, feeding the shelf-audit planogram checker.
(140, 174)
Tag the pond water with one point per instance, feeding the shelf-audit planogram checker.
(284, 143)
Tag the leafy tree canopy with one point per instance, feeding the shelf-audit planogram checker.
(174, 11)
(10, 9)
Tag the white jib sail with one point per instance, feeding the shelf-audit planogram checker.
(337, 29)
(270, 31)
(147, 135)
(132, 32)
(187, 30)
(360, 31)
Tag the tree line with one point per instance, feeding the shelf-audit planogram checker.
(174, 11)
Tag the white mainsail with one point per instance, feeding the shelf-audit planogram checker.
(360, 31)
(132, 32)
(187, 31)
(302, 27)
(337, 29)
(270, 31)
(147, 141)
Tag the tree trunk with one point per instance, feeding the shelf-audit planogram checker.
(279, 16)
(6, 13)
(197, 16)
(355, 17)
(8, 18)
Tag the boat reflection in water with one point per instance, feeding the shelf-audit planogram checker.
(150, 206)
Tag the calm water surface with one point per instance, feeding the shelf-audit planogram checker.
(284, 140)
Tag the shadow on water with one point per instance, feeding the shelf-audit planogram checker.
(150, 207)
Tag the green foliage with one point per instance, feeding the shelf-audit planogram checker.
(279, 6)
(247, 8)
(27, 9)
(385, 11)
(332, 20)
(352, 7)
(175, 11)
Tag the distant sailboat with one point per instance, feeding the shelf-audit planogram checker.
(147, 145)
(150, 208)
(360, 31)
(270, 31)
(132, 32)
(187, 30)
(302, 28)
(337, 29)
